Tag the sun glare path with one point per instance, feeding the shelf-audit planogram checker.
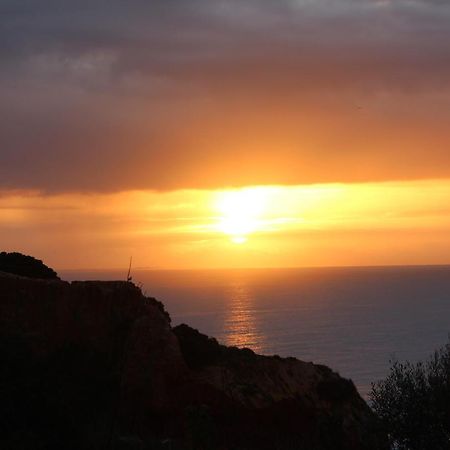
(241, 212)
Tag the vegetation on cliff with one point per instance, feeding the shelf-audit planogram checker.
(26, 266)
(413, 403)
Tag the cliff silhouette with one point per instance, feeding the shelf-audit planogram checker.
(97, 365)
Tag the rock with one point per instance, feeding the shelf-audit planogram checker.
(105, 348)
(304, 403)
(129, 443)
(87, 365)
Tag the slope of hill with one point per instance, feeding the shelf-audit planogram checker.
(97, 365)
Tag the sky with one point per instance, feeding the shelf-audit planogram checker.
(126, 126)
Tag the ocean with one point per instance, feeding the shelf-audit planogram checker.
(354, 320)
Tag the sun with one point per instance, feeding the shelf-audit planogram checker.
(241, 212)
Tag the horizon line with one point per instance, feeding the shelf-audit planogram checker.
(209, 269)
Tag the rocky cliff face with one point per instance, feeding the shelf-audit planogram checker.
(96, 365)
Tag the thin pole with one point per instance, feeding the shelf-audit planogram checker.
(129, 269)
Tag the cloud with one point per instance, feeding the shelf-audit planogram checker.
(362, 224)
(102, 96)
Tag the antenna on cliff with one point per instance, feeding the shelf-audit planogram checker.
(129, 277)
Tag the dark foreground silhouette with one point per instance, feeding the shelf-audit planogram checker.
(96, 365)
(26, 266)
(413, 403)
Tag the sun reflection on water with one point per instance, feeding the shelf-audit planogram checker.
(241, 327)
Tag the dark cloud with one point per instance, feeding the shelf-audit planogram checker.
(108, 95)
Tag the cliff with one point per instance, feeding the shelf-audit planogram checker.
(96, 365)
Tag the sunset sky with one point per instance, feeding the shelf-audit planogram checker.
(214, 133)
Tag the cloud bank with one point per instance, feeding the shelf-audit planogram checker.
(115, 95)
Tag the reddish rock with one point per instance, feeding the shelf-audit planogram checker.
(97, 365)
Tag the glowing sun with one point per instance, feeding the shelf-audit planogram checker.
(241, 212)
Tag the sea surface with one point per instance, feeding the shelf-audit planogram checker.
(352, 319)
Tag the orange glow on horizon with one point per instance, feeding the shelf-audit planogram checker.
(259, 226)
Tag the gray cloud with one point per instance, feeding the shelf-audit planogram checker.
(107, 95)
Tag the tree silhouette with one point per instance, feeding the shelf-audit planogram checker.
(413, 403)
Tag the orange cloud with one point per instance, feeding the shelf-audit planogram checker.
(325, 225)
(207, 94)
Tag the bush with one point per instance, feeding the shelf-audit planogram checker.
(413, 403)
(25, 266)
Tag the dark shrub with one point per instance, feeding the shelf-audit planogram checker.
(25, 266)
(198, 349)
(414, 403)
